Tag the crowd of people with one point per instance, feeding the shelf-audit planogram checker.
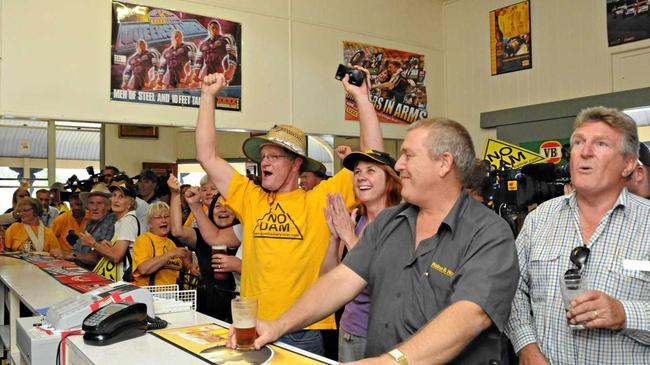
(424, 271)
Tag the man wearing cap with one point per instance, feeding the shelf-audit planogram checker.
(100, 226)
(639, 182)
(55, 197)
(284, 227)
(309, 179)
(608, 323)
(441, 268)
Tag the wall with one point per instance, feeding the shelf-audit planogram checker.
(570, 59)
(129, 153)
(55, 59)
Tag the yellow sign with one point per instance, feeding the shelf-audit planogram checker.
(436, 266)
(499, 153)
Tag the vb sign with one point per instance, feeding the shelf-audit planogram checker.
(552, 150)
(499, 153)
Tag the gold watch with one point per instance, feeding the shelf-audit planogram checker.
(398, 356)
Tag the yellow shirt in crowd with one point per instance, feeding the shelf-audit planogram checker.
(64, 223)
(190, 218)
(148, 246)
(285, 240)
(16, 235)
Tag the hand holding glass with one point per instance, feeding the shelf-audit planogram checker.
(571, 288)
(244, 320)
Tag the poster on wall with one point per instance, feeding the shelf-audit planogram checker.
(510, 42)
(397, 83)
(627, 21)
(159, 56)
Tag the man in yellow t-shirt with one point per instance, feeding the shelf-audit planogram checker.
(72, 220)
(285, 232)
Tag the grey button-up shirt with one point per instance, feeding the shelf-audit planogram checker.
(471, 257)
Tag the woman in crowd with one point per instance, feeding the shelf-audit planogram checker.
(208, 190)
(10, 216)
(156, 259)
(30, 228)
(185, 208)
(116, 262)
(214, 228)
(376, 186)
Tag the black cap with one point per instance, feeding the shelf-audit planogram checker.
(644, 154)
(126, 188)
(350, 161)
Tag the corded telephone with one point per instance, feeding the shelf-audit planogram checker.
(118, 322)
(69, 313)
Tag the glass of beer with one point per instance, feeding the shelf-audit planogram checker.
(244, 319)
(221, 249)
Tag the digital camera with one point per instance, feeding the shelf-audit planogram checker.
(356, 76)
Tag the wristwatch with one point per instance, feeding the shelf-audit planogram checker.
(398, 356)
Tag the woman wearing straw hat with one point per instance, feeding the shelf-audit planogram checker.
(284, 244)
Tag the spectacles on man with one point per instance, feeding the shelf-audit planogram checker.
(273, 158)
(578, 257)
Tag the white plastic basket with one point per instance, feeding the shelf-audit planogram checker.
(168, 299)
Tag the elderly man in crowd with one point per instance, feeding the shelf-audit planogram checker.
(598, 234)
(441, 268)
(100, 226)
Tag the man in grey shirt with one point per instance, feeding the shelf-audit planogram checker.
(441, 268)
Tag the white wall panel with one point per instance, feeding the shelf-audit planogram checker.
(571, 58)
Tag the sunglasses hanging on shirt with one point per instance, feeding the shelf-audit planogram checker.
(578, 257)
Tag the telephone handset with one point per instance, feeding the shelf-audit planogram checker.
(118, 322)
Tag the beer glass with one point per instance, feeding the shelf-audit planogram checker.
(221, 249)
(244, 319)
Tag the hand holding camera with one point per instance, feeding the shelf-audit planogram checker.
(72, 237)
(354, 80)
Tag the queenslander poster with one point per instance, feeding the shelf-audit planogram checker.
(396, 83)
(159, 56)
(510, 43)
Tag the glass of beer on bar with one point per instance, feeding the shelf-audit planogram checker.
(220, 249)
(244, 319)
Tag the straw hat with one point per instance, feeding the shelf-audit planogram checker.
(285, 136)
(97, 189)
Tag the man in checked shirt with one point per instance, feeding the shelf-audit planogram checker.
(604, 217)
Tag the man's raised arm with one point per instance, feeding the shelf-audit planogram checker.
(218, 169)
